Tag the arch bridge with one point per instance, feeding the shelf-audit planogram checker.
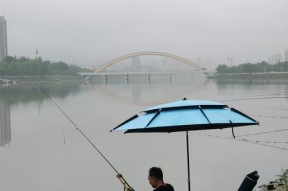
(147, 53)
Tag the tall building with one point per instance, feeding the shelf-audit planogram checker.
(3, 38)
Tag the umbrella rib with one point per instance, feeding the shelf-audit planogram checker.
(158, 112)
(203, 113)
(235, 110)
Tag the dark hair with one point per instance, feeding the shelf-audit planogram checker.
(156, 172)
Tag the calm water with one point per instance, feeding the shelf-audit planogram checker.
(42, 150)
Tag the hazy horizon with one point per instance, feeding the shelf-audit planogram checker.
(91, 33)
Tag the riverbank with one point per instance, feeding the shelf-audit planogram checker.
(262, 75)
(13, 80)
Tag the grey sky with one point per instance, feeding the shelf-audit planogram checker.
(91, 32)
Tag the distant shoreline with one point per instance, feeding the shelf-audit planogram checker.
(260, 75)
(13, 80)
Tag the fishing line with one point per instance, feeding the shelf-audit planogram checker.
(257, 143)
(56, 104)
(262, 95)
(243, 140)
(271, 142)
(276, 96)
(254, 98)
(64, 136)
(121, 178)
(272, 117)
(265, 132)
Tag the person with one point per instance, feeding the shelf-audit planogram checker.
(155, 179)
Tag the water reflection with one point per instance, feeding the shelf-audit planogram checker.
(11, 96)
(250, 81)
(36, 151)
(5, 124)
(31, 93)
(145, 94)
(279, 86)
(141, 94)
(24, 94)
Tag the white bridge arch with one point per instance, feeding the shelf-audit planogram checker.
(147, 53)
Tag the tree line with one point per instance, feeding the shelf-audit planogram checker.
(23, 66)
(253, 68)
(12, 66)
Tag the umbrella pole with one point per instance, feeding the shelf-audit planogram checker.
(188, 163)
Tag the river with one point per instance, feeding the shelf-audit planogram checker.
(40, 148)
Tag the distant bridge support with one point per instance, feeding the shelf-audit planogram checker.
(101, 69)
(143, 77)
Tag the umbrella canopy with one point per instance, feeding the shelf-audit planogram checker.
(186, 115)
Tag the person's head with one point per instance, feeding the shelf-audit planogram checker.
(155, 176)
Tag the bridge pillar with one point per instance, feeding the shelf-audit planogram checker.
(105, 78)
(127, 78)
(148, 78)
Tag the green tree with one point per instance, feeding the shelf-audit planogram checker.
(36, 67)
(9, 59)
(253, 68)
(222, 69)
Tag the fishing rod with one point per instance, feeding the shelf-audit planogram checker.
(127, 187)
(255, 98)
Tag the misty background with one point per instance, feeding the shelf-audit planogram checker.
(90, 33)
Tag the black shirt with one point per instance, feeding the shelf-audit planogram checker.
(166, 187)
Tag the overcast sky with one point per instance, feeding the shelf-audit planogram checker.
(92, 32)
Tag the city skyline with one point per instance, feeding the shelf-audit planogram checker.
(91, 33)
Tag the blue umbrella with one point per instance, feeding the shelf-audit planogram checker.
(186, 115)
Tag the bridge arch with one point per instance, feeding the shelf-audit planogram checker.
(147, 53)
